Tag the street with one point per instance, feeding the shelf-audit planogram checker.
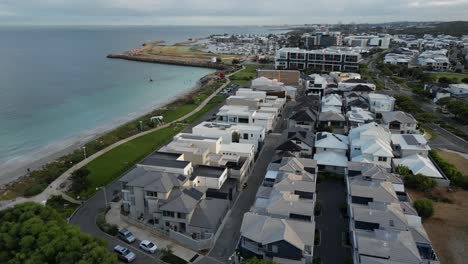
(444, 139)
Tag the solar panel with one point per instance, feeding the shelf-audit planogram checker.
(194, 193)
(410, 140)
(181, 178)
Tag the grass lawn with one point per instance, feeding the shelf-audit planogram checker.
(247, 74)
(451, 75)
(112, 164)
(456, 159)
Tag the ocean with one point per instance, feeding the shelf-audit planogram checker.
(57, 88)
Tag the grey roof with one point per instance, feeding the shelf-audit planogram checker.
(266, 230)
(297, 133)
(209, 213)
(399, 116)
(207, 171)
(165, 160)
(152, 180)
(305, 115)
(289, 146)
(331, 116)
(184, 203)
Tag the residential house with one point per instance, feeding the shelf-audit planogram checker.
(353, 100)
(210, 151)
(409, 144)
(298, 142)
(331, 152)
(305, 118)
(232, 133)
(400, 122)
(332, 103)
(288, 77)
(336, 121)
(380, 103)
(371, 143)
(437, 91)
(273, 87)
(420, 164)
(358, 116)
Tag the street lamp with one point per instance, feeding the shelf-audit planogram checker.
(84, 151)
(105, 194)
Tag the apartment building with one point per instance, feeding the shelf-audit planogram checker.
(383, 224)
(436, 59)
(325, 59)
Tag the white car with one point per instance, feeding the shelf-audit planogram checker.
(148, 246)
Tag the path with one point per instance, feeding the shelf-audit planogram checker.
(55, 189)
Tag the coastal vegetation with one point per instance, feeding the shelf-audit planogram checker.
(36, 181)
(32, 233)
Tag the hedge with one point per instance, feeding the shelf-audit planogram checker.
(455, 176)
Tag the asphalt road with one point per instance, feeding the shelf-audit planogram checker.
(85, 219)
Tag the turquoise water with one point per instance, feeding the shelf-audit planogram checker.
(57, 88)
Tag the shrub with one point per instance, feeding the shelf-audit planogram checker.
(419, 182)
(465, 80)
(455, 176)
(424, 207)
(35, 190)
(80, 181)
(110, 229)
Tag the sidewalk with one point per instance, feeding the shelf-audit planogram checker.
(113, 217)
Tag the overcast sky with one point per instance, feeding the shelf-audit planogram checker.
(226, 12)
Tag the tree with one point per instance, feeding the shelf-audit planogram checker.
(32, 233)
(235, 61)
(424, 207)
(80, 181)
(464, 80)
(419, 182)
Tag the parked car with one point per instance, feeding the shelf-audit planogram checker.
(124, 253)
(126, 235)
(148, 246)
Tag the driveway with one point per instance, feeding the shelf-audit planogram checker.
(332, 226)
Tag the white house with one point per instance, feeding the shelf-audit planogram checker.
(419, 164)
(458, 89)
(371, 143)
(332, 103)
(358, 116)
(408, 145)
(331, 152)
(380, 103)
(232, 133)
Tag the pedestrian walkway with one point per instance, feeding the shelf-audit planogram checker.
(56, 186)
(113, 217)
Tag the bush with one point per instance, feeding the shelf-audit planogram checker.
(110, 229)
(455, 176)
(424, 207)
(35, 190)
(419, 182)
(465, 80)
(318, 208)
(80, 181)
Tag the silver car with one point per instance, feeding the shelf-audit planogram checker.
(124, 254)
(126, 235)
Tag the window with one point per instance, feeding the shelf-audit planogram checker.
(274, 249)
(245, 136)
(168, 213)
(384, 159)
(146, 203)
(392, 223)
(167, 224)
(181, 215)
(151, 194)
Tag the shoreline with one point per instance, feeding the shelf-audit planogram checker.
(14, 175)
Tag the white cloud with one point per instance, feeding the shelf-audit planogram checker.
(224, 12)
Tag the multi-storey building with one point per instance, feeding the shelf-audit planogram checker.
(324, 59)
